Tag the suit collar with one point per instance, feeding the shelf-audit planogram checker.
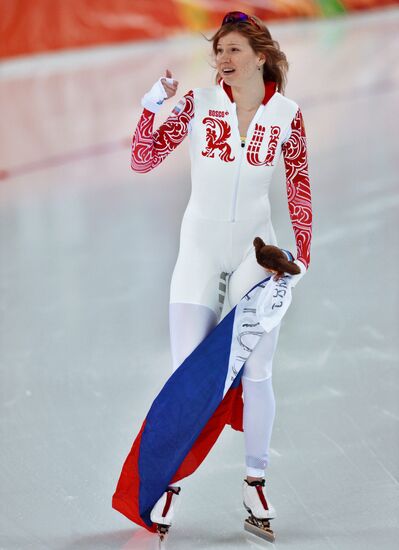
(270, 90)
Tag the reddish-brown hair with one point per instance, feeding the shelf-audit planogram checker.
(276, 66)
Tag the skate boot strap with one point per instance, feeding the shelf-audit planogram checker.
(175, 490)
(255, 483)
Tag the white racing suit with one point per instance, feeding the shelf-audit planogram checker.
(229, 204)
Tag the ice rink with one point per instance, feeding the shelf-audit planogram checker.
(87, 249)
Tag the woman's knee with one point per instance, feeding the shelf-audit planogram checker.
(258, 372)
(189, 324)
(259, 364)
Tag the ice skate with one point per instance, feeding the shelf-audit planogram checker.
(261, 511)
(163, 511)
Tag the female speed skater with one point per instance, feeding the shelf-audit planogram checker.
(238, 129)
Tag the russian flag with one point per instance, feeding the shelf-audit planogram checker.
(189, 413)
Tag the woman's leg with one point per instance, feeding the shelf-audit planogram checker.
(259, 404)
(189, 324)
(259, 401)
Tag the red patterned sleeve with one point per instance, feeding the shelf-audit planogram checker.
(149, 149)
(298, 187)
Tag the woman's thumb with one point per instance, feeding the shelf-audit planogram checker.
(168, 73)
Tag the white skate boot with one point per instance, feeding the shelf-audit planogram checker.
(254, 500)
(164, 510)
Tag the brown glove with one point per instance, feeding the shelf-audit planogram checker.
(274, 259)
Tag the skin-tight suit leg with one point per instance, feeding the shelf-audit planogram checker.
(189, 325)
(258, 394)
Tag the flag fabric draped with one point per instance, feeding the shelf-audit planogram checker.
(202, 396)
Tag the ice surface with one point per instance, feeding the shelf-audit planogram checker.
(87, 249)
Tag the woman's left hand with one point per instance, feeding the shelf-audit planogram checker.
(295, 278)
(277, 274)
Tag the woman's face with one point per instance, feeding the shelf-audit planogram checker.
(234, 52)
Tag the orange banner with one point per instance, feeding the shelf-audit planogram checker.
(28, 27)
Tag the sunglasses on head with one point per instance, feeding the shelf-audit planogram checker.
(238, 17)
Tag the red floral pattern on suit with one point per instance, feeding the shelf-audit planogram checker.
(256, 141)
(150, 149)
(298, 187)
(217, 134)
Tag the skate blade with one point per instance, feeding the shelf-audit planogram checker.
(162, 531)
(265, 533)
(162, 543)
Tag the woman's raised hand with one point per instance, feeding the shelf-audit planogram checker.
(164, 88)
(169, 86)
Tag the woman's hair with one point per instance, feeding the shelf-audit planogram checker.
(275, 67)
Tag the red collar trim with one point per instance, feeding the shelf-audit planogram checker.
(270, 90)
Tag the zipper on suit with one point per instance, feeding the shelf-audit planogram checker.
(243, 148)
(235, 192)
